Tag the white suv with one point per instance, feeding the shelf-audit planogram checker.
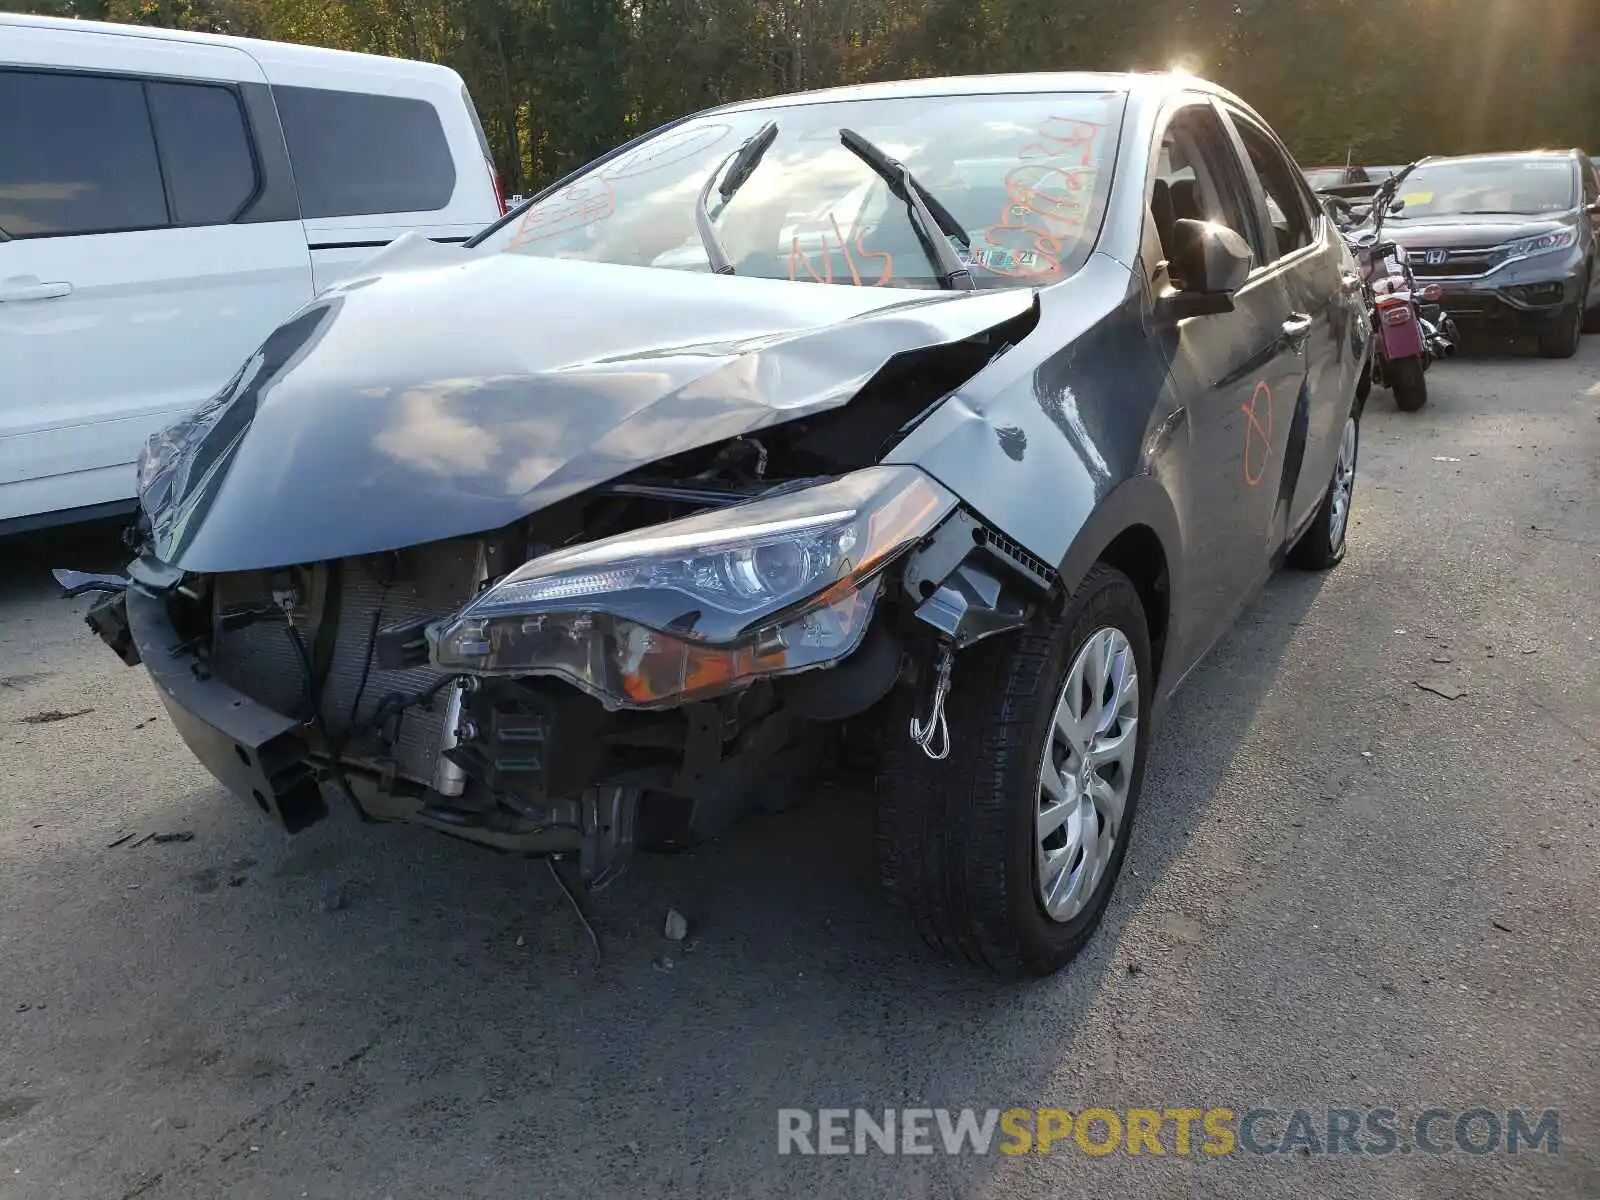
(166, 200)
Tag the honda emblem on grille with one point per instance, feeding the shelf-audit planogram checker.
(1437, 258)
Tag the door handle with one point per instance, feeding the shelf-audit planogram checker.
(27, 287)
(1297, 330)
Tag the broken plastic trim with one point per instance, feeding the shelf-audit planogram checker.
(972, 604)
(76, 583)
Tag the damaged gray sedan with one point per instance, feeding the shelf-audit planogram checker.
(952, 419)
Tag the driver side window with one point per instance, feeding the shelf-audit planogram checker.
(1197, 178)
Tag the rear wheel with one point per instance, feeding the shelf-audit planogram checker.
(1006, 852)
(1561, 341)
(1409, 384)
(1322, 545)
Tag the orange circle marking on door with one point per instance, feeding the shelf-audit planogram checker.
(1257, 433)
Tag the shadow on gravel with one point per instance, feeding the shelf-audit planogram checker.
(409, 991)
(1497, 347)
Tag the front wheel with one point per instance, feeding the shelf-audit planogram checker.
(1409, 384)
(1006, 852)
(1562, 341)
(1322, 545)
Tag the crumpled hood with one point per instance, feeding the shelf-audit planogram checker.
(1474, 229)
(442, 393)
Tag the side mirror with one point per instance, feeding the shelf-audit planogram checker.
(1209, 264)
(1397, 206)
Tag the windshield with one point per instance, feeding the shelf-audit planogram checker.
(1460, 187)
(1024, 175)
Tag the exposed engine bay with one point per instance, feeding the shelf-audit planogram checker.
(410, 707)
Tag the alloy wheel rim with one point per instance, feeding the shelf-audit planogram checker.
(1344, 482)
(1086, 773)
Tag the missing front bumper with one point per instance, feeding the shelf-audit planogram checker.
(256, 753)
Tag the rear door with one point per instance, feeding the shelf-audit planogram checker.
(379, 154)
(151, 244)
(1304, 258)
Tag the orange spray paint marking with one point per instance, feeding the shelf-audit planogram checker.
(799, 258)
(1257, 436)
(1045, 200)
(587, 202)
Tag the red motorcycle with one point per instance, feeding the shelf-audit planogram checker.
(1410, 328)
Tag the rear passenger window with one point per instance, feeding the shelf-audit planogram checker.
(361, 155)
(1291, 222)
(205, 150)
(76, 156)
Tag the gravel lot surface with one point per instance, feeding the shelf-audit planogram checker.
(1345, 890)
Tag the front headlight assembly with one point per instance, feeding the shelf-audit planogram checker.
(704, 605)
(1544, 243)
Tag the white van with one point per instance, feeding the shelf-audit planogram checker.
(166, 200)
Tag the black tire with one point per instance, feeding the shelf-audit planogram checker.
(1562, 340)
(1591, 317)
(956, 838)
(1322, 545)
(1409, 383)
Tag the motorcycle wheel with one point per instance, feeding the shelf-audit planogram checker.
(1408, 383)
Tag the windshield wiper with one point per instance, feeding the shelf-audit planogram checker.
(934, 224)
(743, 163)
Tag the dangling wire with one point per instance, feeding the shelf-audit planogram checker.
(934, 737)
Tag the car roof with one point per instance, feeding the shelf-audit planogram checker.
(264, 52)
(1139, 85)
